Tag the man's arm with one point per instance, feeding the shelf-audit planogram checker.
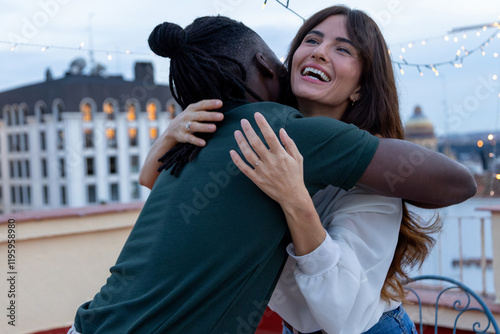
(428, 178)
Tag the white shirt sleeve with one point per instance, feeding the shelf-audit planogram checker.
(341, 280)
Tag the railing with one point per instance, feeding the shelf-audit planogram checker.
(463, 247)
(465, 300)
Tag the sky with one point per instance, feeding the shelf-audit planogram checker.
(458, 100)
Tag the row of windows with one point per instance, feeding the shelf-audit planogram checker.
(62, 195)
(111, 142)
(59, 140)
(109, 110)
(112, 165)
(18, 115)
(61, 168)
(18, 142)
(21, 195)
(19, 169)
(114, 192)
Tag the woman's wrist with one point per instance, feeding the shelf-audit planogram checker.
(298, 204)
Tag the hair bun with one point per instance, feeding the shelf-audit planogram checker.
(167, 40)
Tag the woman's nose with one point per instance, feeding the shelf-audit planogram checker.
(319, 53)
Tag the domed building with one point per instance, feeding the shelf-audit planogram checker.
(419, 130)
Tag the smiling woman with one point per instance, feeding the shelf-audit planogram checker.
(326, 69)
(351, 249)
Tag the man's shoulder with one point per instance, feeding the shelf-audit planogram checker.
(277, 115)
(265, 108)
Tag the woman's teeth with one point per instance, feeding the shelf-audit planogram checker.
(316, 74)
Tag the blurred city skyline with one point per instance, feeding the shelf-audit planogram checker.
(463, 99)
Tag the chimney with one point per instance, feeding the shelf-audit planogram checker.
(144, 71)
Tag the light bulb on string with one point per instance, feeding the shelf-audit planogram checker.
(464, 36)
(44, 49)
(455, 39)
(264, 5)
(434, 69)
(402, 58)
(420, 71)
(484, 28)
(13, 47)
(401, 69)
(82, 44)
(109, 56)
(494, 77)
(410, 45)
(403, 50)
(478, 34)
(446, 38)
(423, 43)
(127, 52)
(495, 55)
(458, 53)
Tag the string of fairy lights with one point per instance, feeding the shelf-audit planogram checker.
(401, 63)
(81, 47)
(456, 61)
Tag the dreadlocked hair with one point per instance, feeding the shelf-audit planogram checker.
(200, 69)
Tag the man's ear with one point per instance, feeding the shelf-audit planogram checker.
(263, 65)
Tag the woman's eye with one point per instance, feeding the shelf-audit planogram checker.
(343, 49)
(310, 41)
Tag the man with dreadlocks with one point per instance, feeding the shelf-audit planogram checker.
(208, 246)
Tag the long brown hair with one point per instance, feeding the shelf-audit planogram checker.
(377, 111)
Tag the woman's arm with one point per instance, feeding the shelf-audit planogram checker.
(280, 175)
(177, 132)
(340, 271)
(342, 279)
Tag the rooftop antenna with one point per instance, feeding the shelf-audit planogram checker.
(91, 45)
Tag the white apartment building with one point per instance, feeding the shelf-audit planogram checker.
(79, 140)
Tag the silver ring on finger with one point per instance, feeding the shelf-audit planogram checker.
(258, 162)
(188, 126)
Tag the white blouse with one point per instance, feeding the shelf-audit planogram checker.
(337, 286)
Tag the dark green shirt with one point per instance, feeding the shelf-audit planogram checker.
(208, 247)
